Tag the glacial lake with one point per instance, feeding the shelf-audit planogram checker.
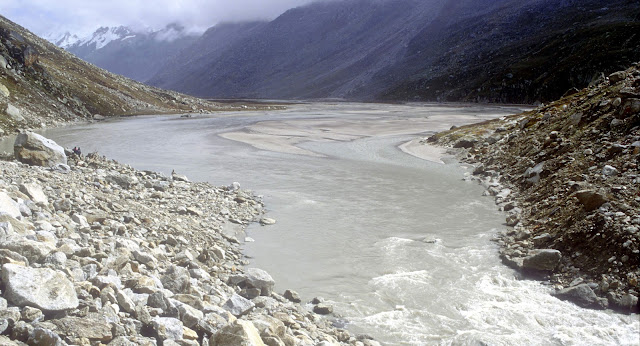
(400, 246)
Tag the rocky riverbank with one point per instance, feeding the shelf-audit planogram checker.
(567, 176)
(95, 252)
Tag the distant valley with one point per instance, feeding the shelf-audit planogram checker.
(393, 50)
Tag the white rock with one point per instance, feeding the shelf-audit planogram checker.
(609, 171)
(43, 288)
(34, 191)
(33, 149)
(14, 113)
(9, 206)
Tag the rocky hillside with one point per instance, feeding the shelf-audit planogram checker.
(137, 55)
(94, 253)
(42, 85)
(522, 52)
(437, 50)
(567, 175)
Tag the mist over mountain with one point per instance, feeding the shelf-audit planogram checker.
(435, 50)
(135, 54)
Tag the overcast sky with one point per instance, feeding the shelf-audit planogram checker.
(45, 17)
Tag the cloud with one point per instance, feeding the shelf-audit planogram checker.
(81, 16)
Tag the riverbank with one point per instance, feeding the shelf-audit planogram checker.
(96, 251)
(567, 176)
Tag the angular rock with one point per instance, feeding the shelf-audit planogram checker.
(542, 259)
(34, 251)
(583, 296)
(14, 113)
(323, 309)
(33, 149)
(591, 200)
(261, 280)
(9, 206)
(42, 288)
(292, 296)
(189, 315)
(240, 333)
(94, 329)
(123, 180)
(30, 314)
(34, 191)
(80, 220)
(168, 328)
(238, 305)
(44, 337)
(125, 302)
(176, 279)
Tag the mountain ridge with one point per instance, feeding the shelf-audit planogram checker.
(424, 51)
(137, 54)
(42, 85)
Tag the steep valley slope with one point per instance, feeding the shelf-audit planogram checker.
(42, 85)
(405, 50)
(567, 175)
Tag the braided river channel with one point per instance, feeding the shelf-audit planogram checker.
(399, 245)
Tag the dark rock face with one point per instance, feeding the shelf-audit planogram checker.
(544, 259)
(501, 51)
(30, 56)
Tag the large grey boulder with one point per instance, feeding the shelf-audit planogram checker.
(542, 259)
(42, 288)
(34, 251)
(240, 333)
(583, 296)
(261, 280)
(34, 149)
(238, 305)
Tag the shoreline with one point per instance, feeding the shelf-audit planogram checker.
(566, 176)
(152, 257)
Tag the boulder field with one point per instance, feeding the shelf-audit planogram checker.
(566, 174)
(94, 252)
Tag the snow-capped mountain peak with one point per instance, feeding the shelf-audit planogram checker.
(104, 35)
(64, 40)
